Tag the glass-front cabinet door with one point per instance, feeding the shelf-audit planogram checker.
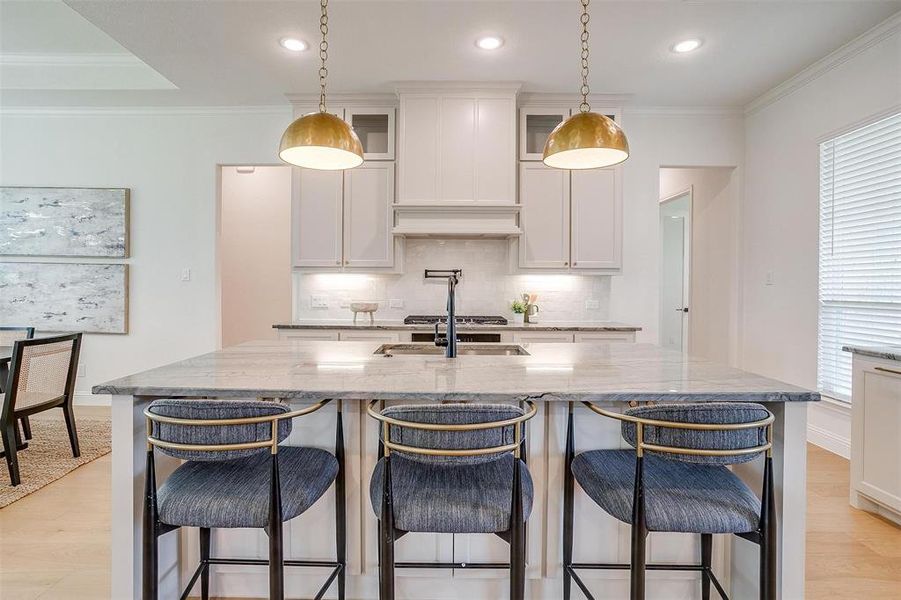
(535, 125)
(375, 128)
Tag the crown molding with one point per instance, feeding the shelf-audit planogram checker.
(138, 111)
(427, 87)
(573, 100)
(860, 44)
(350, 99)
(12, 59)
(685, 111)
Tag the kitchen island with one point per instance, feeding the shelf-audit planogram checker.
(553, 374)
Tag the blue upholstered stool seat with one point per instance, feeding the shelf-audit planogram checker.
(452, 498)
(679, 496)
(235, 493)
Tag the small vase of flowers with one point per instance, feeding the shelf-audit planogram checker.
(519, 311)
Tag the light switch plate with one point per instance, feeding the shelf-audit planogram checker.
(318, 301)
(186, 274)
(770, 279)
(396, 303)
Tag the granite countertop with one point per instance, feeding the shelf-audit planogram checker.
(363, 323)
(887, 352)
(313, 370)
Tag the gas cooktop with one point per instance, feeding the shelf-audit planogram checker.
(463, 319)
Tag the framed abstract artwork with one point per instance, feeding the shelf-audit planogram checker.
(76, 222)
(92, 298)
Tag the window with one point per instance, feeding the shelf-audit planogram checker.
(860, 248)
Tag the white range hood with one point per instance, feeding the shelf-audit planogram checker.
(457, 219)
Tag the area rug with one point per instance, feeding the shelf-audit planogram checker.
(49, 456)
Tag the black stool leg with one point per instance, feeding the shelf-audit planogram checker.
(276, 548)
(340, 507)
(386, 537)
(517, 539)
(639, 535)
(10, 447)
(151, 562)
(205, 557)
(706, 559)
(568, 497)
(768, 569)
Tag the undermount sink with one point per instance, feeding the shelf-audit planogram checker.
(462, 350)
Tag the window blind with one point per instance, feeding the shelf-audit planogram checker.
(860, 248)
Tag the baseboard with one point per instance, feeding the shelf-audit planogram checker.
(89, 399)
(829, 440)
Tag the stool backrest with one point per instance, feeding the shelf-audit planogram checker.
(703, 413)
(8, 335)
(212, 434)
(457, 414)
(42, 370)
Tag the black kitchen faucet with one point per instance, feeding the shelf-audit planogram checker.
(449, 340)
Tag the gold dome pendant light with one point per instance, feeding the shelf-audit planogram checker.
(320, 140)
(586, 140)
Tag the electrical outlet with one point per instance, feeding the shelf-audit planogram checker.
(318, 301)
(770, 279)
(186, 274)
(396, 303)
(592, 305)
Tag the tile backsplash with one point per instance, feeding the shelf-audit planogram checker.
(486, 288)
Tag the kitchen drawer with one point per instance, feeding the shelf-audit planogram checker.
(368, 336)
(321, 335)
(605, 336)
(542, 337)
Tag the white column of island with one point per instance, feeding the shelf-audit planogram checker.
(554, 374)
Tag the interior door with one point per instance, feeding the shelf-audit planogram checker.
(675, 237)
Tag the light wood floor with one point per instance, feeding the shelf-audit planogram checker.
(55, 542)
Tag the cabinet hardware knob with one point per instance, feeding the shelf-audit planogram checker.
(566, 264)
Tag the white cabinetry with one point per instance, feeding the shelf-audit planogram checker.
(596, 215)
(544, 196)
(875, 443)
(457, 145)
(535, 125)
(542, 337)
(570, 220)
(343, 218)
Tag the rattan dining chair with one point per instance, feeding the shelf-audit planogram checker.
(41, 377)
(676, 480)
(452, 468)
(236, 474)
(9, 335)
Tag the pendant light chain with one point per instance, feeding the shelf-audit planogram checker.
(323, 53)
(584, 90)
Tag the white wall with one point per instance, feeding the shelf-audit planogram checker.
(779, 213)
(169, 160)
(714, 294)
(254, 249)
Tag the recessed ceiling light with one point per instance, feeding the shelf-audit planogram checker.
(687, 46)
(293, 44)
(490, 42)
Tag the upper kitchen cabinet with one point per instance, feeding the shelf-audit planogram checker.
(544, 196)
(457, 144)
(571, 220)
(368, 196)
(375, 128)
(596, 214)
(342, 219)
(535, 125)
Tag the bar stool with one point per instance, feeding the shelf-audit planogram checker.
(449, 468)
(8, 336)
(229, 480)
(676, 480)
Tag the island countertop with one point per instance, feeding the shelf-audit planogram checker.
(315, 370)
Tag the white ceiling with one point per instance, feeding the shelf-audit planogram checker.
(225, 52)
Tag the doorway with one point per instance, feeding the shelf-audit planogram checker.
(675, 266)
(253, 249)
